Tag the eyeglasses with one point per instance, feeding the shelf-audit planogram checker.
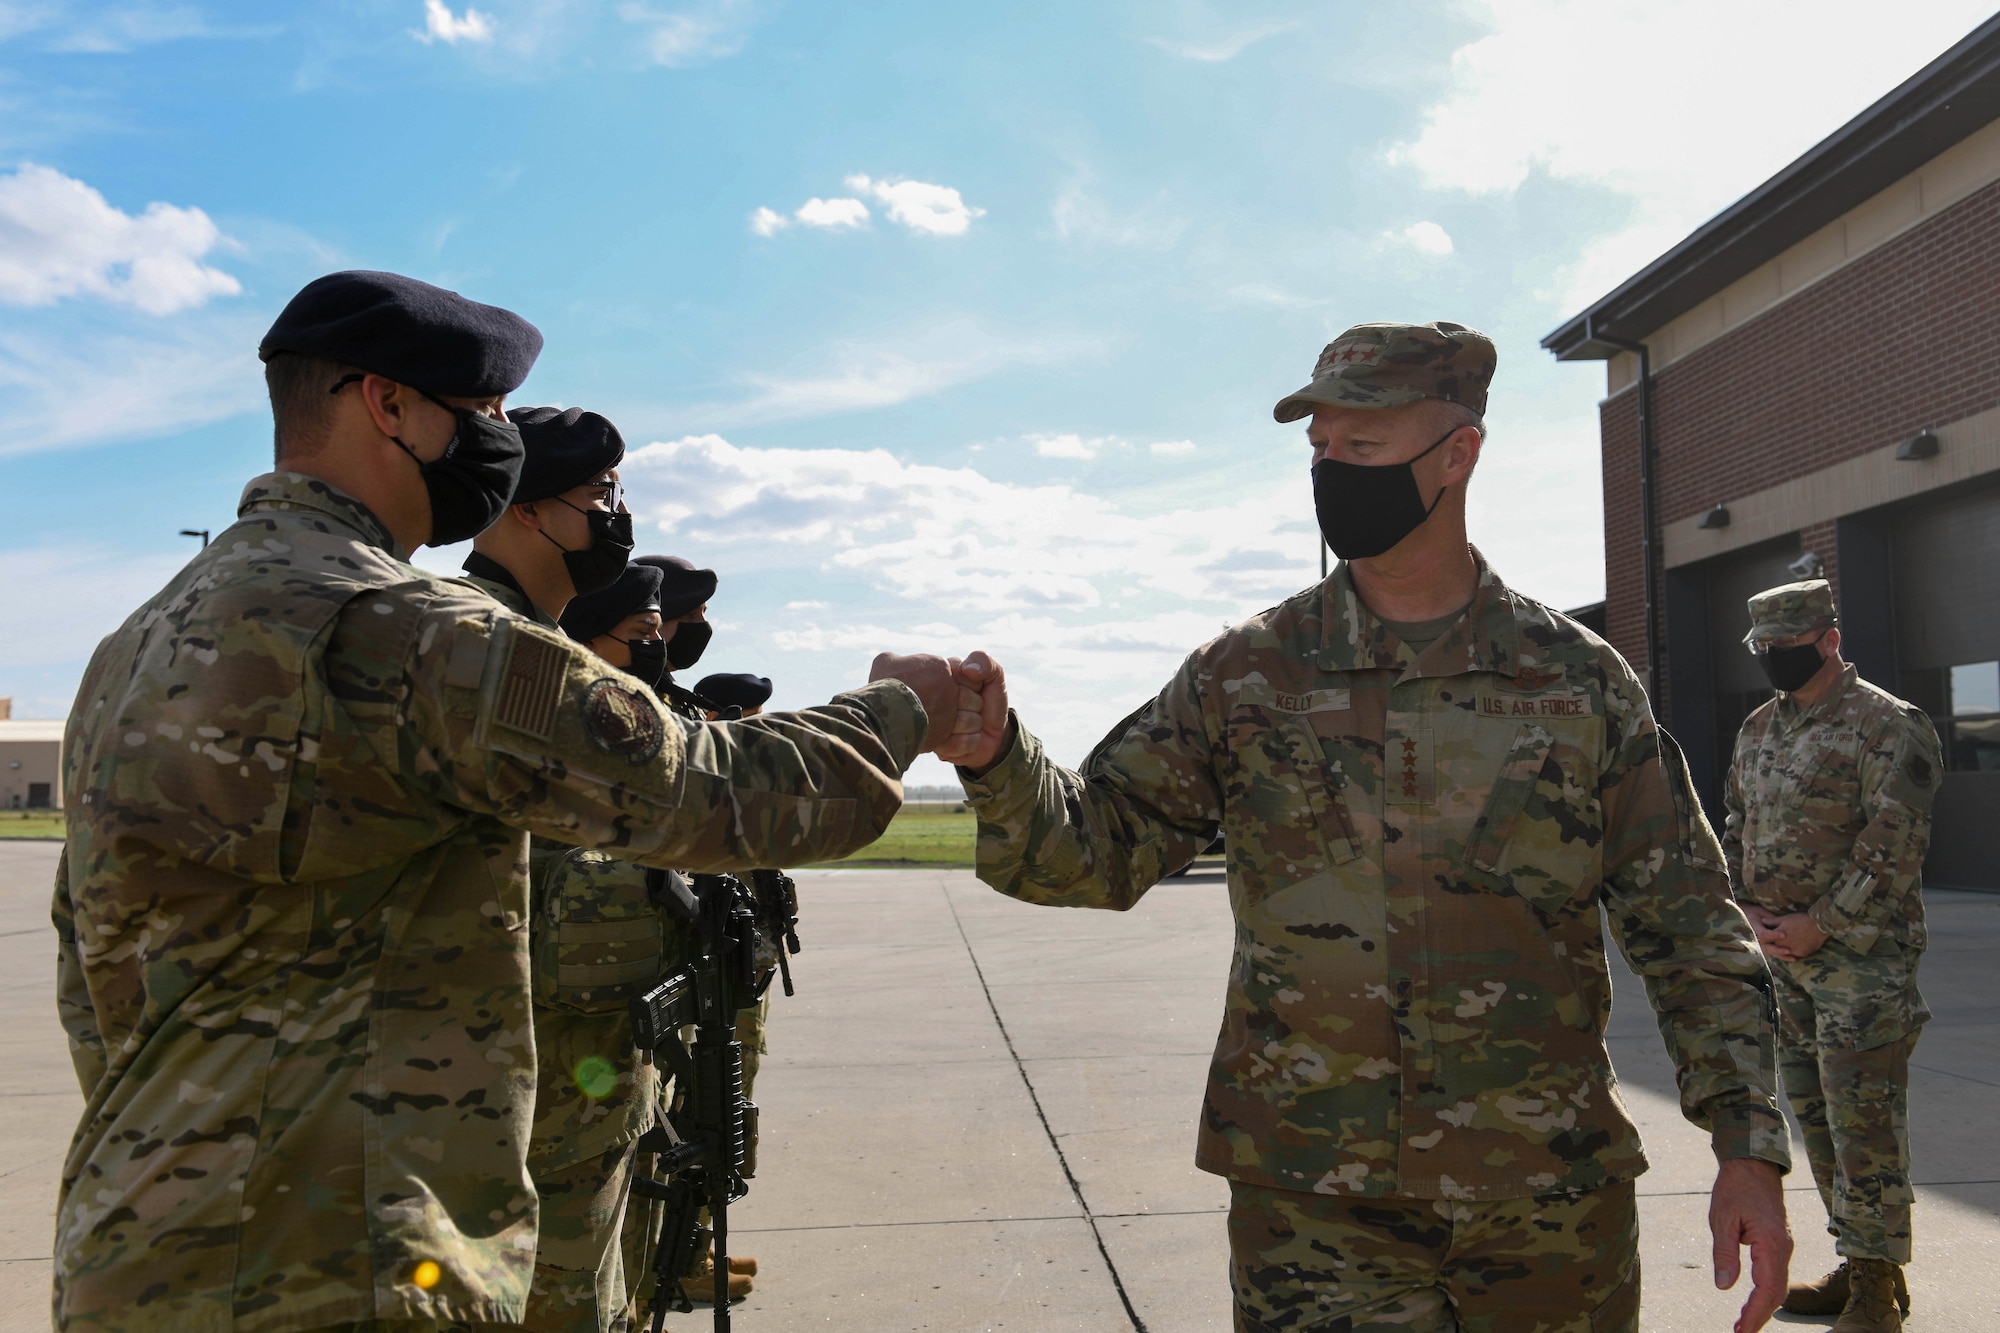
(610, 492)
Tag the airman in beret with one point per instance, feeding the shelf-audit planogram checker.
(293, 911)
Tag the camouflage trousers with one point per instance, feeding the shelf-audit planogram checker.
(409, 1326)
(579, 1262)
(1314, 1263)
(1847, 1024)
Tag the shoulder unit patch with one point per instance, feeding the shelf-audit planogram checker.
(623, 722)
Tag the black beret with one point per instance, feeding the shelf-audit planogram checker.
(737, 688)
(683, 587)
(565, 447)
(595, 613)
(408, 331)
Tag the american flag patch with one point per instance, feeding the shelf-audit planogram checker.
(530, 685)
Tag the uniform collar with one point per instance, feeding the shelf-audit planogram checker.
(499, 583)
(293, 491)
(1486, 638)
(1828, 704)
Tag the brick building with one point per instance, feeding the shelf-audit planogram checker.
(1812, 381)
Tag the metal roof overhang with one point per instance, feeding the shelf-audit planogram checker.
(1949, 99)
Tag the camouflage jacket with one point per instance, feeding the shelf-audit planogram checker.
(1417, 849)
(293, 911)
(597, 941)
(1829, 812)
(594, 940)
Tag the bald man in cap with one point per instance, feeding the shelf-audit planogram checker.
(1430, 786)
(1829, 799)
(292, 908)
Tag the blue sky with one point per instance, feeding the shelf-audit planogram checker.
(938, 326)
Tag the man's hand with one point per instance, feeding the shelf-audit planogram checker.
(1791, 937)
(1760, 920)
(952, 707)
(1747, 1207)
(981, 750)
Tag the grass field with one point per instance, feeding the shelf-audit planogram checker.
(31, 824)
(928, 835)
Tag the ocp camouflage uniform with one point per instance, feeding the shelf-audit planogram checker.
(1412, 1042)
(1829, 812)
(596, 939)
(293, 916)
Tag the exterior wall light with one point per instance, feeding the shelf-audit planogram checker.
(1919, 446)
(1717, 517)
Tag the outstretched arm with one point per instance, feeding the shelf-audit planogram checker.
(1143, 805)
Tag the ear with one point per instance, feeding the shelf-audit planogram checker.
(526, 514)
(1829, 643)
(1461, 454)
(388, 403)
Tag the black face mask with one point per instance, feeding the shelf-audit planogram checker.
(471, 483)
(688, 643)
(1789, 669)
(649, 659)
(597, 566)
(1363, 511)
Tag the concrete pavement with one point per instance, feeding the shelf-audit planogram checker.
(980, 1115)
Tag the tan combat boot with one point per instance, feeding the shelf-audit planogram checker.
(700, 1284)
(1828, 1296)
(1871, 1298)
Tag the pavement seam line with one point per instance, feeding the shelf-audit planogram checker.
(1048, 1131)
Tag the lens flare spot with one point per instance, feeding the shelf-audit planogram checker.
(427, 1275)
(596, 1077)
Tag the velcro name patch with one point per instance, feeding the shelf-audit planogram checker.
(531, 684)
(1259, 694)
(1534, 705)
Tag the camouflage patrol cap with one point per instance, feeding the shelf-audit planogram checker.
(1388, 365)
(1790, 610)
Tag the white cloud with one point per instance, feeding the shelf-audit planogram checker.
(440, 25)
(62, 599)
(1222, 48)
(122, 387)
(768, 222)
(1172, 448)
(1091, 604)
(955, 538)
(691, 35)
(1704, 115)
(59, 238)
(1426, 238)
(856, 375)
(128, 27)
(1080, 214)
(832, 213)
(1067, 446)
(937, 210)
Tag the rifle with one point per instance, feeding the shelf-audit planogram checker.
(701, 1145)
(777, 905)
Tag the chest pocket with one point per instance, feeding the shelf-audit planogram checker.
(597, 938)
(1285, 813)
(1541, 830)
